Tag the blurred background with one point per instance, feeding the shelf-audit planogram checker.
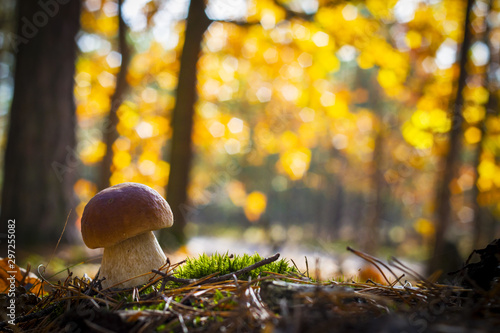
(269, 125)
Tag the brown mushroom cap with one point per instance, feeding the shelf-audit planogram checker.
(121, 212)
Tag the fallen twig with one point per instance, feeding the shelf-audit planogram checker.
(219, 278)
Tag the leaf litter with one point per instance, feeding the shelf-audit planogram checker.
(224, 293)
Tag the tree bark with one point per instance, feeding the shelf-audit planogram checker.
(182, 123)
(480, 239)
(40, 159)
(371, 239)
(110, 133)
(449, 163)
(375, 206)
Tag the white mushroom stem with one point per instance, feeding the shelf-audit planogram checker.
(130, 258)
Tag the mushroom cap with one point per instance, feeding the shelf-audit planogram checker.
(121, 212)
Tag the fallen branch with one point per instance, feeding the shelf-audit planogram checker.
(218, 278)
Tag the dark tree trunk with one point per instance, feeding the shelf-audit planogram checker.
(333, 202)
(480, 239)
(449, 164)
(337, 210)
(110, 133)
(182, 123)
(375, 205)
(40, 158)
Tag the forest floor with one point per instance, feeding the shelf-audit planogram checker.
(293, 300)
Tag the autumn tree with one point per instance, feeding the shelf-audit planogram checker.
(451, 159)
(182, 123)
(40, 158)
(280, 129)
(110, 133)
(483, 217)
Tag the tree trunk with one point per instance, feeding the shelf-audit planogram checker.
(110, 133)
(182, 123)
(40, 158)
(371, 230)
(449, 164)
(480, 239)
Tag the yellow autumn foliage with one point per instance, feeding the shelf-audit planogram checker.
(255, 205)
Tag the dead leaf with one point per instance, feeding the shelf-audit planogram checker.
(10, 273)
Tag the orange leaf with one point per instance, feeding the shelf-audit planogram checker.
(12, 275)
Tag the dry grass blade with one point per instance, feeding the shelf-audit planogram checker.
(375, 262)
(269, 302)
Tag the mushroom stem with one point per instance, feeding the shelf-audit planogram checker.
(129, 258)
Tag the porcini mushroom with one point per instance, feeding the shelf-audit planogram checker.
(121, 219)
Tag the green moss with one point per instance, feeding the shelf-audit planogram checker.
(218, 296)
(128, 297)
(161, 327)
(196, 268)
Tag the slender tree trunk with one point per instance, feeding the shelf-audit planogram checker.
(40, 158)
(110, 134)
(182, 123)
(477, 227)
(372, 228)
(479, 240)
(332, 211)
(333, 199)
(449, 164)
